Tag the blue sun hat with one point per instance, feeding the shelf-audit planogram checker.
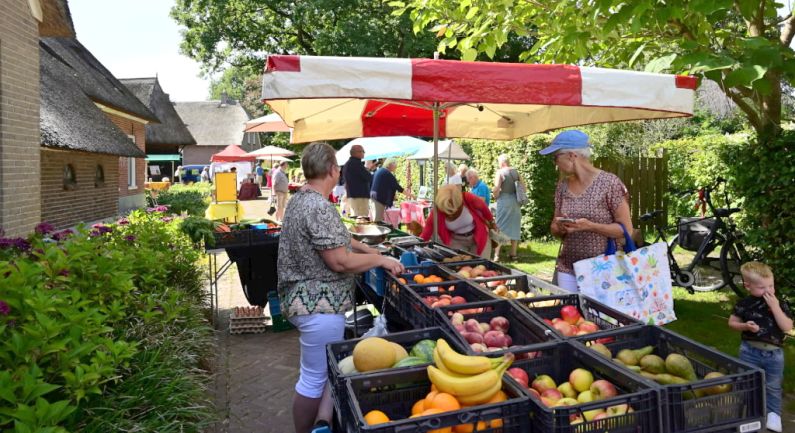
(567, 140)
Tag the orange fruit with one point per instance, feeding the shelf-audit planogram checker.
(434, 388)
(433, 411)
(469, 428)
(429, 399)
(496, 423)
(375, 417)
(445, 402)
(498, 397)
(402, 280)
(442, 430)
(419, 278)
(418, 407)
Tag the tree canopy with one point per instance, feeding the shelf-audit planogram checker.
(742, 45)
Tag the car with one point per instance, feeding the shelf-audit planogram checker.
(192, 173)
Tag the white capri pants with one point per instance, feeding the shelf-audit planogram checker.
(317, 330)
(568, 282)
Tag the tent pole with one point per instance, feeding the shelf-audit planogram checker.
(435, 168)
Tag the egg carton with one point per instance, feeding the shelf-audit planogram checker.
(247, 320)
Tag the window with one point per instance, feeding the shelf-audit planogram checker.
(69, 177)
(99, 176)
(131, 169)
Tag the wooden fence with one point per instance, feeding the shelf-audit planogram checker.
(646, 180)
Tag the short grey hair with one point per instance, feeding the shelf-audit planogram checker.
(389, 161)
(503, 159)
(318, 160)
(450, 167)
(584, 152)
(471, 172)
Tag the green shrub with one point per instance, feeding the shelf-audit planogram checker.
(80, 317)
(193, 198)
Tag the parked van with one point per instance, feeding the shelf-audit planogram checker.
(192, 173)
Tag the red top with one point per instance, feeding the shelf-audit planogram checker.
(480, 215)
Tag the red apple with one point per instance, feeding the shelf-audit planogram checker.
(520, 376)
(494, 339)
(588, 326)
(456, 300)
(602, 389)
(499, 323)
(534, 393)
(472, 325)
(547, 402)
(600, 415)
(566, 329)
(605, 340)
(472, 337)
(543, 383)
(570, 314)
(552, 394)
(575, 419)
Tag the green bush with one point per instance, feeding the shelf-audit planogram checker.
(193, 198)
(87, 318)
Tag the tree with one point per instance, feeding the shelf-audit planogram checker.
(242, 84)
(742, 45)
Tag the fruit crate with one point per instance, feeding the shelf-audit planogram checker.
(558, 360)
(335, 352)
(549, 307)
(488, 264)
(375, 279)
(528, 285)
(434, 252)
(394, 393)
(423, 314)
(265, 236)
(395, 285)
(234, 238)
(524, 330)
(740, 409)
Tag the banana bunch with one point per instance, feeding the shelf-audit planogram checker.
(471, 379)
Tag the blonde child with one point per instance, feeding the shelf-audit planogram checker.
(763, 319)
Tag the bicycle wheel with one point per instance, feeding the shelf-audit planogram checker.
(707, 275)
(732, 256)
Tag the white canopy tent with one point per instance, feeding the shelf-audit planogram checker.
(448, 149)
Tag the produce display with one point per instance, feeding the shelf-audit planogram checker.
(457, 258)
(571, 322)
(481, 336)
(675, 369)
(478, 271)
(375, 353)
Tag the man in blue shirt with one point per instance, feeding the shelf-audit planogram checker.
(385, 185)
(260, 172)
(357, 183)
(477, 186)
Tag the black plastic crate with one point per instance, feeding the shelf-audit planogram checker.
(523, 330)
(606, 318)
(335, 352)
(395, 285)
(736, 410)
(265, 236)
(488, 264)
(558, 360)
(435, 252)
(394, 393)
(521, 283)
(413, 295)
(234, 238)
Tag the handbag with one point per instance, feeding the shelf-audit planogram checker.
(521, 190)
(636, 281)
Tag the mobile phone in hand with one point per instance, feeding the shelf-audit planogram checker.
(565, 220)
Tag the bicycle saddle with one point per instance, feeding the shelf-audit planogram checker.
(724, 212)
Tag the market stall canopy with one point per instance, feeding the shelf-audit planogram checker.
(231, 153)
(274, 158)
(268, 123)
(381, 147)
(326, 98)
(270, 151)
(448, 149)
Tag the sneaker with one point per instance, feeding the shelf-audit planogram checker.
(774, 422)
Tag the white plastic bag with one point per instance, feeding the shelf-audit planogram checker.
(379, 327)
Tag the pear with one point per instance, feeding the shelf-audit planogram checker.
(602, 349)
(653, 364)
(627, 357)
(678, 365)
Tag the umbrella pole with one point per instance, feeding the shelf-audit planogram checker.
(435, 169)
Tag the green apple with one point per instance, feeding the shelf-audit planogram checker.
(567, 390)
(585, 397)
(590, 414)
(566, 401)
(581, 379)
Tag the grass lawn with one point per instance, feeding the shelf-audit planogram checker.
(701, 316)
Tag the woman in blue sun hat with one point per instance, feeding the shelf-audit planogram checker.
(590, 205)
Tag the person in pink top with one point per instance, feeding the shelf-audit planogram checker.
(590, 205)
(464, 221)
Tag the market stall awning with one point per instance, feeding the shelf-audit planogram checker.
(448, 149)
(381, 147)
(231, 153)
(174, 157)
(271, 151)
(268, 123)
(325, 98)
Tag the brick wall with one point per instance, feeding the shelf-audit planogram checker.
(138, 130)
(20, 208)
(87, 201)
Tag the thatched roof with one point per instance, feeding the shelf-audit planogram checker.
(213, 123)
(56, 19)
(171, 130)
(94, 79)
(70, 120)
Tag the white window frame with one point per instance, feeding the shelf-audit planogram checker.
(131, 181)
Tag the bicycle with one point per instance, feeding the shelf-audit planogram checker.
(716, 241)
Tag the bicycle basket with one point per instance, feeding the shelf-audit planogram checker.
(693, 231)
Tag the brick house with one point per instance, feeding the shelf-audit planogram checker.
(215, 125)
(166, 140)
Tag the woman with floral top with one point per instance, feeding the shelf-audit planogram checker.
(317, 260)
(590, 205)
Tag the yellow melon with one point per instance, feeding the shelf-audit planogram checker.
(400, 352)
(373, 353)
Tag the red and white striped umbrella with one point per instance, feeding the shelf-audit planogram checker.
(324, 98)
